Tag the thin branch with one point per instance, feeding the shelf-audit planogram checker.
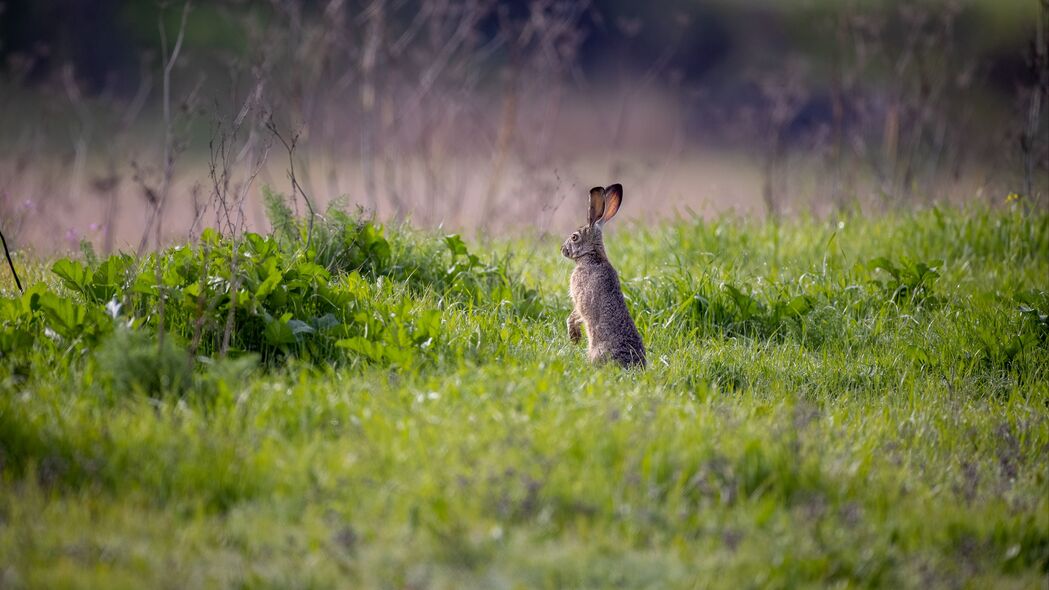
(168, 157)
(169, 163)
(289, 146)
(10, 263)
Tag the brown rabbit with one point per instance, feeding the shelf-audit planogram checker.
(597, 298)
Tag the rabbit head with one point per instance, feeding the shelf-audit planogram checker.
(586, 241)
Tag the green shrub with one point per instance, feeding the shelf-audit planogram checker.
(351, 296)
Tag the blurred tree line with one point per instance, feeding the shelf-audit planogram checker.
(888, 98)
(701, 42)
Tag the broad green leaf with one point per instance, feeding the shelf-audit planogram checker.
(73, 274)
(267, 286)
(455, 244)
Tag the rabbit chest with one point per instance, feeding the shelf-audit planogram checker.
(594, 289)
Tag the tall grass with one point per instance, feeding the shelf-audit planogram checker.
(856, 402)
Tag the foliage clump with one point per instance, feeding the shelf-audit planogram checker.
(344, 293)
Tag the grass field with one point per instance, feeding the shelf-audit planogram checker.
(854, 402)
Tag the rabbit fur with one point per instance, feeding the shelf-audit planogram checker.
(597, 298)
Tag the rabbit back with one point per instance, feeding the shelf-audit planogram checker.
(611, 333)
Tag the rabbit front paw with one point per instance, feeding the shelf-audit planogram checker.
(575, 333)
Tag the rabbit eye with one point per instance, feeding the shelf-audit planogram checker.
(575, 237)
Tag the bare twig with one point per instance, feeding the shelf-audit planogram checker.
(168, 160)
(289, 146)
(226, 153)
(11, 264)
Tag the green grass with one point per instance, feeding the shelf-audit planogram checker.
(863, 403)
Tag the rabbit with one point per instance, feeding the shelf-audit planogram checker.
(597, 299)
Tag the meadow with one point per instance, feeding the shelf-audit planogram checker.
(856, 401)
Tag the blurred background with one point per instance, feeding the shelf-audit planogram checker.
(129, 123)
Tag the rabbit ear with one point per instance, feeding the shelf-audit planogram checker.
(613, 197)
(597, 204)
